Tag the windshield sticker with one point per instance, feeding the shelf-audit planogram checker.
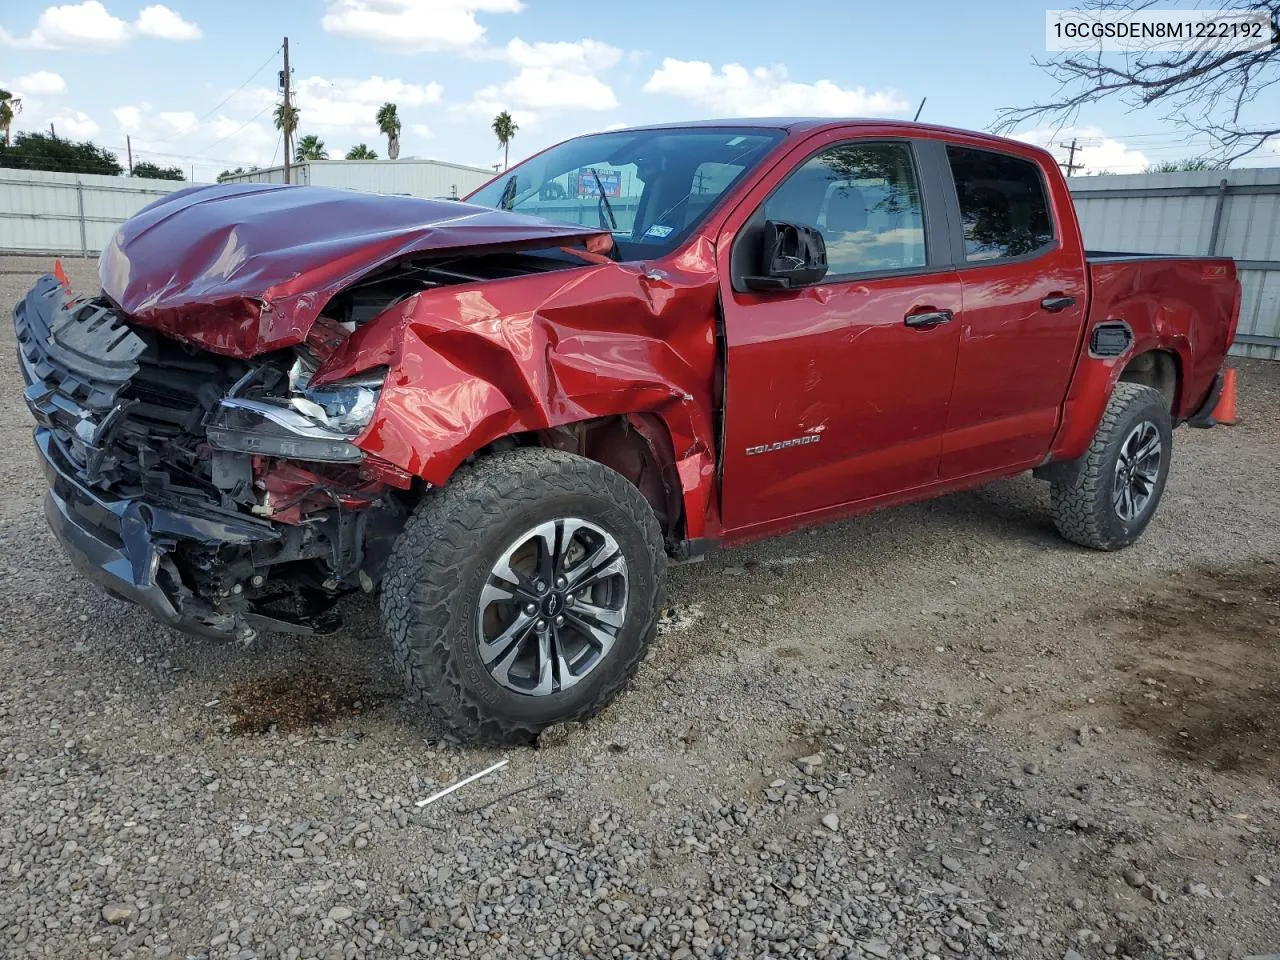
(659, 230)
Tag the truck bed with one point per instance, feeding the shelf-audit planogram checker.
(1187, 303)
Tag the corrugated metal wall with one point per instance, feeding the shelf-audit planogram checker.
(1194, 213)
(417, 178)
(68, 213)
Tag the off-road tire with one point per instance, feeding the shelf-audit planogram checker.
(1083, 508)
(443, 556)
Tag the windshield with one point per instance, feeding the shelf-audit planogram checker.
(649, 188)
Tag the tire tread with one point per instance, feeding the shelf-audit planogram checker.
(1082, 497)
(425, 572)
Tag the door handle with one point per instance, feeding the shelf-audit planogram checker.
(927, 319)
(1056, 302)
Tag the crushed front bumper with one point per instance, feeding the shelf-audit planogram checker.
(124, 545)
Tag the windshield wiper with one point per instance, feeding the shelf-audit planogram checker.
(508, 198)
(603, 206)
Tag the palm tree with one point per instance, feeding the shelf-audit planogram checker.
(504, 128)
(361, 152)
(286, 125)
(9, 107)
(388, 121)
(310, 147)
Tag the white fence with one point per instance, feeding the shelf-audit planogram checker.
(69, 213)
(1231, 213)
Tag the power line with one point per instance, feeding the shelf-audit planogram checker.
(191, 156)
(222, 103)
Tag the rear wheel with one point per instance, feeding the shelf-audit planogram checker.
(524, 593)
(1105, 499)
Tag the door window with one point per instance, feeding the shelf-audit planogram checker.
(865, 199)
(1002, 205)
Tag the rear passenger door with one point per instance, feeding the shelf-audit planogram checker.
(1024, 294)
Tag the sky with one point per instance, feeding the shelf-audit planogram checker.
(193, 83)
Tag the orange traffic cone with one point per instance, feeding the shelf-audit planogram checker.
(61, 275)
(1225, 411)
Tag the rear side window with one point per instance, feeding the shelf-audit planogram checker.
(1002, 204)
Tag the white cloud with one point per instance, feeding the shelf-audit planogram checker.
(580, 56)
(90, 26)
(340, 110)
(766, 91)
(161, 22)
(349, 105)
(181, 121)
(1095, 152)
(41, 83)
(73, 124)
(550, 77)
(130, 118)
(85, 24)
(414, 25)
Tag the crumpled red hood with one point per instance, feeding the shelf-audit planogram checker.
(245, 268)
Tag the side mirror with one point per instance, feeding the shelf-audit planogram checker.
(792, 255)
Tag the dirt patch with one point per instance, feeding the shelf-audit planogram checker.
(1204, 674)
(302, 698)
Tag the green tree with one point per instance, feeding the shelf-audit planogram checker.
(1203, 88)
(361, 152)
(388, 120)
(154, 171)
(504, 128)
(1183, 166)
(226, 175)
(42, 151)
(310, 147)
(286, 122)
(10, 106)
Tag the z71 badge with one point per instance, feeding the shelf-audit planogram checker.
(807, 439)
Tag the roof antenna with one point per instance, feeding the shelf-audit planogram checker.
(918, 109)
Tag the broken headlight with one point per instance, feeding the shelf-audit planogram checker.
(344, 406)
(310, 424)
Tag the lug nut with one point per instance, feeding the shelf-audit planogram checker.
(560, 621)
(540, 586)
(561, 582)
(542, 624)
(258, 580)
(530, 608)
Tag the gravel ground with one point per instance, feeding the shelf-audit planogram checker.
(935, 732)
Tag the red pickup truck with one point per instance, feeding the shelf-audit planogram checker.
(505, 414)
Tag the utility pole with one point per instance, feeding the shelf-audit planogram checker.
(1071, 166)
(288, 113)
(52, 132)
(128, 145)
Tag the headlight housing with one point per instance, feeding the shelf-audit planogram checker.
(344, 406)
(310, 424)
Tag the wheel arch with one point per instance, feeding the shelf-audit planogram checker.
(640, 447)
(1158, 368)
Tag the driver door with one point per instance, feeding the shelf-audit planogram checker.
(833, 394)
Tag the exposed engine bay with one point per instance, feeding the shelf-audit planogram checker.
(137, 416)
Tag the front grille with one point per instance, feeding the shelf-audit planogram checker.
(125, 407)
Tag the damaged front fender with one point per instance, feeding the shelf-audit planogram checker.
(471, 364)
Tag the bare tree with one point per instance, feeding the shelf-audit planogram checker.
(1205, 90)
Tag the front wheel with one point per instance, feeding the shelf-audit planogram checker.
(1105, 499)
(524, 593)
